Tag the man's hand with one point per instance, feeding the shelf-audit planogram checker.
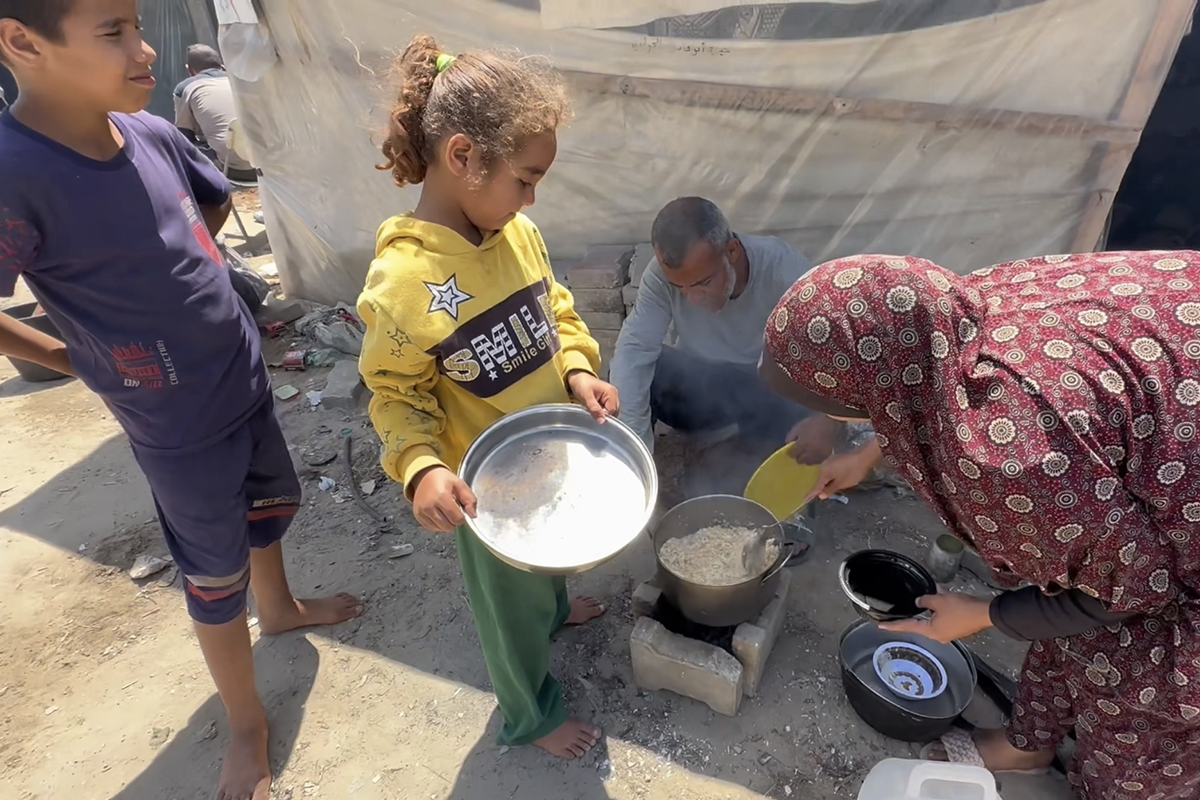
(813, 438)
(442, 499)
(955, 616)
(846, 471)
(600, 398)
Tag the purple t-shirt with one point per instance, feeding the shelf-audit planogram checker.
(119, 256)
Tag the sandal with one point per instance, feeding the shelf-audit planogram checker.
(960, 749)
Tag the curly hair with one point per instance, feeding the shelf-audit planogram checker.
(495, 100)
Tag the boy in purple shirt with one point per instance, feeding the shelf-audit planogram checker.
(109, 213)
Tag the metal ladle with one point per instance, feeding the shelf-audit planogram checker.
(755, 557)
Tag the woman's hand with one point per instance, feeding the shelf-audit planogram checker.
(600, 398)
(813, 438)
(441, 499)
(846, 471)
(955, 616)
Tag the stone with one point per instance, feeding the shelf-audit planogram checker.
(606, 339)
(645, 598)
(603, 320)
(701, 671)
(753, 642)
(278, 309)
(643, 254)
(629, 295)
(343, 387)
(604, 267)
(604, 300)
(146, 565)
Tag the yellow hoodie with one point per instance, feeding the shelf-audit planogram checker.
(459, 335)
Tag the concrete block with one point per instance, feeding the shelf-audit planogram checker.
(604, 267)
(643, 254)
(645, 598)
(754, 641)
(603, 320)
(704, 672)
(629, 294)
(604, 300)
(606, 339)
(343, 387)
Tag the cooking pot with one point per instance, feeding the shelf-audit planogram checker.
(907, 720)
(886, 577)
(718, 606)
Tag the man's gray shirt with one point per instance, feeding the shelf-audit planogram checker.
(734, 335)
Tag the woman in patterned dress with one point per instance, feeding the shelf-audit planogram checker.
(1047, 409)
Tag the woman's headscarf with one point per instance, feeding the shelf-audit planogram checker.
(1047, 409)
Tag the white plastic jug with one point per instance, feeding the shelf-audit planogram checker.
(903, 779)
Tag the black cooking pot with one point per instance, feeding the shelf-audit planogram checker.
(888, 579)
(718, 606)
(890, 714)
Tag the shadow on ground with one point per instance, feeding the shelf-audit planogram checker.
(287, 668)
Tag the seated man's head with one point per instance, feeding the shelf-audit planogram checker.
(697, 251)
(201, 57)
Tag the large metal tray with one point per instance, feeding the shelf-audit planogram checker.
(559, 493)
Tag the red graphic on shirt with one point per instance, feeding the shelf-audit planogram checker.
(139, 366)
(199, 228)
(19, 242)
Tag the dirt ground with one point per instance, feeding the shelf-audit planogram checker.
(104, 694)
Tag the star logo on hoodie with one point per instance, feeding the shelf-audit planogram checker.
(447, 297)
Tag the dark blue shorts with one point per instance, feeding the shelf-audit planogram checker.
(218, 502)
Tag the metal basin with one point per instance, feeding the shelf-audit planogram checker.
(897, 717)
(559, 493)
(34, 373)
(718, 606)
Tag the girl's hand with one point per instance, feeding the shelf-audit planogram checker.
(441, 500)
(955, 616)
(600, 398)
(843, 472)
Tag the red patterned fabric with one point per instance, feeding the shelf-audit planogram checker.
(1048, 410)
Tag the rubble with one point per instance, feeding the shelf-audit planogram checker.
(147, 565)
(343, 387)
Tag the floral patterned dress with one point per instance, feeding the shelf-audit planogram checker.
(1048, 410)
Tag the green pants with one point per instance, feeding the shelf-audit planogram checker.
(516, 613)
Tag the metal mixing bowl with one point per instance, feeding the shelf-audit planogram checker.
(559, 493)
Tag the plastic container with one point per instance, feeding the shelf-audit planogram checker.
(34, 373)
(903, 779)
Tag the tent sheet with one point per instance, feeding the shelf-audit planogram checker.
(966, 131)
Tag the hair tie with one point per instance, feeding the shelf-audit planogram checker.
(444, 61)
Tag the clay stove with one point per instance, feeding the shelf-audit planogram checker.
(717, 666)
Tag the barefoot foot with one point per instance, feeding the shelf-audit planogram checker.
(585, 609)
(246, 771)
(306, 613)
(572, 740)
(999, 754)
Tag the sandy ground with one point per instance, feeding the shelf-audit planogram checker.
(103, 692)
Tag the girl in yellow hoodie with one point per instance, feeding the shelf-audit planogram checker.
(465, 323)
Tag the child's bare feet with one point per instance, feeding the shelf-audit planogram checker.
(246, 772)
(585, 609)
(573, 739)
(306, 613)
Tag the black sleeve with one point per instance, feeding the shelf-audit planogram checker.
(1031, 614)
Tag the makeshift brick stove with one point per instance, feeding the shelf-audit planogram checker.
(717, 666)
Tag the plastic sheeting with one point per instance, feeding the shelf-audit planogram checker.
(966, 131)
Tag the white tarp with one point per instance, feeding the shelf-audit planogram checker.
(995, 135)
